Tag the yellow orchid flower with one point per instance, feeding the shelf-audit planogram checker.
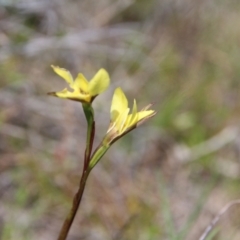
(121, 121)
(83, 91)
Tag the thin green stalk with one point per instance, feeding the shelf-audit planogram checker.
(89, 114)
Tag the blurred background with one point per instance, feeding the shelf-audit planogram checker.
(165, 180)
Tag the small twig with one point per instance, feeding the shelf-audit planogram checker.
(217, 218)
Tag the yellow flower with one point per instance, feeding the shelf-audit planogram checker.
(121, 121)
(83, 90)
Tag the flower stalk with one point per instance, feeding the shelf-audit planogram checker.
(75, 205)
(89, 114)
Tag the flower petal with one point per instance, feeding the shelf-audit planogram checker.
(145, 114)
(132, 118)
(121, 121)
(65, 74)
(99, 82)
(62, 94)
(119, 104)
(75, 95)
(81, 84)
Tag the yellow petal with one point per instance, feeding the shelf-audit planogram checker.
(62, 94)
(120, 123)
(119, 104)
(99, 82)
(134, 117)
(76, 95)
(65, 74)
(81, 84)
(131, 118)
(144, 114)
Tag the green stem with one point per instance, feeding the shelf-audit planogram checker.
(89, 114)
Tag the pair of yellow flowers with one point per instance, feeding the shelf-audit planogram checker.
(85, 91)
